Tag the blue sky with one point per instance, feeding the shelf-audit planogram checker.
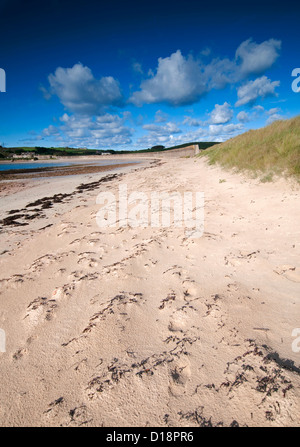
(134, 74)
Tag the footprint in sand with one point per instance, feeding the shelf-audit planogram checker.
(149, 264)
(67, 228)
(77, 241)
(87, 259)
(96, 242)
(191, 288)
(43, 308)
(179, 374)
(19, 354)
(14, 281)
(42, 262)
(23, 351)
(40, 309)
(167, 302)
(60, 272)
(177, 322)
(289, 272)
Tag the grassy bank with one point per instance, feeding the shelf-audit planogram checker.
(272, 150)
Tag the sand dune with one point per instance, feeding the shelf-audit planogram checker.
(144, 326)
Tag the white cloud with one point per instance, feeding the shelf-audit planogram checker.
(104, 131)
(257, 58)
(251, 115)
(273, 111)
(274, 115)
(192, 121)
(221, 114)
(243, 117)
(165, 130)
(178, 80)
(223, 131)
(252, 90)
(50, 131)
(151, 139)
(81, 93)
(183, 80)
(160, 117)
(259, 108)
(166, 134)
(214, 132)
(220, 72)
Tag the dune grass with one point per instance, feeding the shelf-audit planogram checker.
(272, 150)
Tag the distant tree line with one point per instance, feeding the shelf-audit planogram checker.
(67, 151)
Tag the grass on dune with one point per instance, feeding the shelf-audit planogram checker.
(274, 149)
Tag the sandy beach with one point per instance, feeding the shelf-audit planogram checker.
(131, 326)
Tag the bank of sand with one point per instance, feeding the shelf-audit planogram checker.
(145, 327)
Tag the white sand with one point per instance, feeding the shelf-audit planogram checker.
(143, 326)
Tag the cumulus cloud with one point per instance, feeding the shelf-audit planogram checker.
(223, 131)
(220, 72)
(260, 88)
(165, 134)
(257, 58)
(163, 130)
(80, 92)
(183, 80)
(192, 121)
(221, 114)
(171, 135)
(50, 131)
(243, 117)
(180, 80)
(104, 131)
(176, 81)
(274, 115)
(160, 117)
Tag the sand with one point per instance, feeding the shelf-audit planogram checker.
(132, 326)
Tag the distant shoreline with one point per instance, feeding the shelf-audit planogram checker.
(55, 171)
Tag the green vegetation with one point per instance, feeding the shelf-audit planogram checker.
(8, 153)
(52, 151)
(272, 150)
(202, 145)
